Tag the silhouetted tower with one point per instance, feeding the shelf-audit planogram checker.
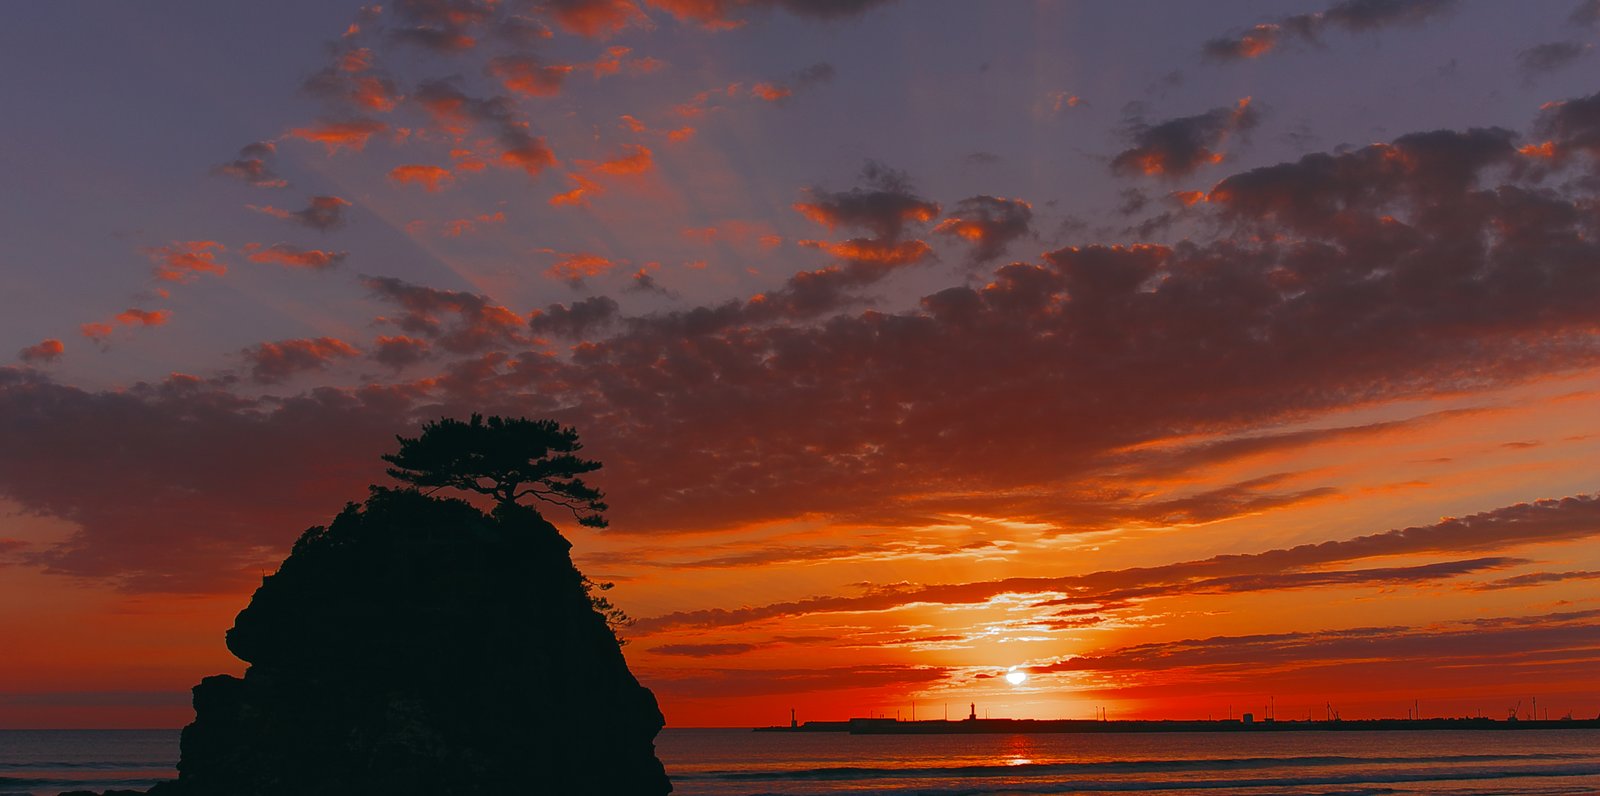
(973, 715)
(792, 723)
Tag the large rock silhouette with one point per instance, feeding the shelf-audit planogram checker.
(419, 646)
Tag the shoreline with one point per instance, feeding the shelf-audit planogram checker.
(970, 726)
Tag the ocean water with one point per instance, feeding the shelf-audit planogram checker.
(51, 761)
(744, 763)
(724, 763)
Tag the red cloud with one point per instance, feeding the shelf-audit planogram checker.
(293, 256)
(337, 135)
(42, 351)
(431, 178)
(173, 455)
(274, 362)
(183, 261)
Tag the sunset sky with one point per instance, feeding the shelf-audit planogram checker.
(1184, 355)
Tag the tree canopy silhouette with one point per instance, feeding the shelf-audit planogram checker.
(505, 458)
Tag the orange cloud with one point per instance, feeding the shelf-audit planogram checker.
(576, 196)
(466, 160)
(183, 261)
(133, 316)
(710, 14)
(458, 321)
(530, 154)
(1253, 43)
(357, 60)
(138, 317)
(989, 223)
(736, 232)
(322, 214)
(884, 207)
(646, 65)
(867, 250)
(522, 74)
(351, 134)
(1351, 17)
(374, 94)
(611, 62)
(252, 165)
(431, 178)
(444, 26)
(719, 14)
(465, 226)
(595, 17)
(680, 134)
(293, 257)
(42, 351)
(574, 268)
(1177, 147)
(96, 331)
(635, 160)
(771, 92)
(1545, 149)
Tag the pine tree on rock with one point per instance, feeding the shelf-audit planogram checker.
(505, 458)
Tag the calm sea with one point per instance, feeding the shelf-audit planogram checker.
(729, 762)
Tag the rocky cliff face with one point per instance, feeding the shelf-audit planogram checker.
(419, 646)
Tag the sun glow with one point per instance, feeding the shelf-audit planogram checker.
(1016, 676)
